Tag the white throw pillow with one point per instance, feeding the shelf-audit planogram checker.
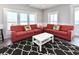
(56, 27)
(27, 27)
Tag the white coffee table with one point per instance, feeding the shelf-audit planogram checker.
(42, 38)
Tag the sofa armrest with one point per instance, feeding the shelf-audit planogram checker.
(13, 33)
(71, 34)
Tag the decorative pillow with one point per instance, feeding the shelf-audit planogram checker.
(27, 27)
(56, 27)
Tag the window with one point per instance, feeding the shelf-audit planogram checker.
(23, 19)
(76, 17)
(53, 18)
(18, 18)
(32, 19)
(11, 19)
(76, 21)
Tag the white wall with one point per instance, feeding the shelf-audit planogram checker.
(64, 14)
(19, 8)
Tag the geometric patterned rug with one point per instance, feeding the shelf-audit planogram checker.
(25, 47)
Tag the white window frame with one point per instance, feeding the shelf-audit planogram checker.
(76, 26)
(51, 13)
(76, 9)
(18, 17)
(5, 16)
(16, 22)
(35, 18)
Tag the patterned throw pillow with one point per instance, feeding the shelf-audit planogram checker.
(56, 27)
(27, 27)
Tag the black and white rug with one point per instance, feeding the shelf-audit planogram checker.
(25, 47)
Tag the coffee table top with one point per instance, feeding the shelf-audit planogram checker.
(42, 36)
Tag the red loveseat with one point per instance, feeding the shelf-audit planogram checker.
(64, 32)
(19, 33)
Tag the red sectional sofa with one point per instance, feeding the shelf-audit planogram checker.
(19, 33)
(64, 32)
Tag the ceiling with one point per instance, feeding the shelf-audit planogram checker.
(43, 6)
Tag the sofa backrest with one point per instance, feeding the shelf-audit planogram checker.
(66, 27)
(50, 26)
(33, 26)
(18, 28)
(62, 27)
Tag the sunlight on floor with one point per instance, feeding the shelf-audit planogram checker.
(75, 41)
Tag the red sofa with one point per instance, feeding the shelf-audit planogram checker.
(64, 32)
(19, 33)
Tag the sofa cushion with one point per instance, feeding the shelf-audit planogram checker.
(27, 27)
(31, 32)
(36, 30)
(59, 32)
(50, 26)
(17, 28)
(47, 30)
(21, 33)
(65, 28)
(33, 26)
(56, 32)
